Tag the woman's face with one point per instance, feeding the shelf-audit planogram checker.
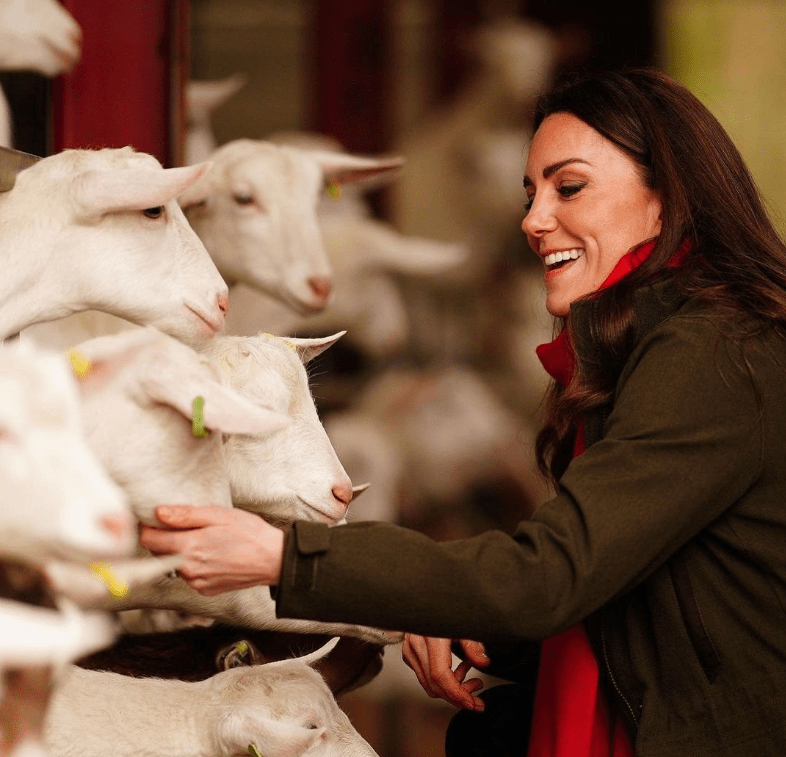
(588, 206)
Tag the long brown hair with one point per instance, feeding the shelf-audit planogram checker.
(736, 262)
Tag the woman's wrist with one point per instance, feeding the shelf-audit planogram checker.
(272, 545)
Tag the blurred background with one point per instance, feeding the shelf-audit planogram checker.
(433, 396)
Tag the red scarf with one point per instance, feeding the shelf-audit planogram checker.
(571, 717)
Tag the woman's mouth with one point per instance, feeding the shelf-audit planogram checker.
(557, 259)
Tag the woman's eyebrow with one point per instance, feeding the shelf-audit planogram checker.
(554, 167)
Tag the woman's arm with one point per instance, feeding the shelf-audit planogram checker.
(682, 445)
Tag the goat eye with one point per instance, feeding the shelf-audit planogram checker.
(243, 198)
(156, 212)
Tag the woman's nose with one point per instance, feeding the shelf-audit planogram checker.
(538, 220)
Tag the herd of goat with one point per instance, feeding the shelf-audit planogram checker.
(131, 290)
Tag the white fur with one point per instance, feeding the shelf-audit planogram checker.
(74, 236)
(296, 474)
(55, 499)
(137, 409)
(32, 635)
(284, 708)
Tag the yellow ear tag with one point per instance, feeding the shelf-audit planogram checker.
(80, 365)
(197, 418)
(253, 751)
(242, 647)
(107, 575)
(281, 339)
(334, 190)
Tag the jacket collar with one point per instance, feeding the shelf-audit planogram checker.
(652, 305)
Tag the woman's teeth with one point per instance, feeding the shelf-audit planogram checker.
(561, 256)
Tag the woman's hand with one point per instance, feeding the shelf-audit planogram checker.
(432, 662)
(227, 548)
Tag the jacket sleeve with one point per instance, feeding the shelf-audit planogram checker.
(682, 444)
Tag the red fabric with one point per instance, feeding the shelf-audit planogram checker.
(571, 717)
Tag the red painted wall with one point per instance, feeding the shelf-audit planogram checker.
(352, 78)
(128, 87)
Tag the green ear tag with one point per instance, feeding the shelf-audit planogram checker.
(253, 751)
(334, 190)
(197, 419)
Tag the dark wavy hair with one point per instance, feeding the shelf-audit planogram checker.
(737, 261)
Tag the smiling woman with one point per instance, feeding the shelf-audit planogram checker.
(588, 205)
(643, 604)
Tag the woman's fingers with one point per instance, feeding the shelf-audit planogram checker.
(190, 516)
(431, 661)
(410, 652)
(475, 653)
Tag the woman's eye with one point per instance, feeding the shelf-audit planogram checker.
(528, 204)
(154, 212)
(568, 190)
(243, 198)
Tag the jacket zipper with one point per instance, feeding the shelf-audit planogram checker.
(613, 680)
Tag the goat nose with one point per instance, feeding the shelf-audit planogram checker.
(321, 286)
(343, 493)
(117, 525)
(223, 303)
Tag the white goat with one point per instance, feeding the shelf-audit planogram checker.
(101, 229)
(35, 35)
(281, 709)
(202, 98)
(256, 213)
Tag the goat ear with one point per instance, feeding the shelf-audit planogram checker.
(308, 349)
(312, 657)
(97, 360)
(353, 169)
(283, 738)
(240, 654)
(96, 193)
(195, 196)
(222, 408)
(208, 95)
(315, 656)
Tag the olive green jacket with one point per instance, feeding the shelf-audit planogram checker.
(668, 539)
